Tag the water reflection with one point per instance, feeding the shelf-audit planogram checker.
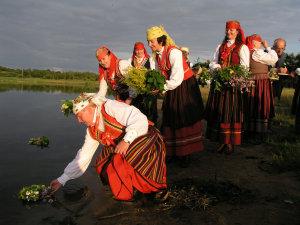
(49, 88)
(26, 114)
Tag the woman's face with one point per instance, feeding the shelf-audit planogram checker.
(154, 45)
(105, 61)
(139, 53)
(257, 44)
(86, 115)
(232, 34)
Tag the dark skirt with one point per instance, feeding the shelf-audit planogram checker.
(183, 106)
(182, 114)
(224, 115)
(147, 104)
(296, 107)
(259, 107)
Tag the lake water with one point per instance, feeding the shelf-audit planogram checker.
(26, 114)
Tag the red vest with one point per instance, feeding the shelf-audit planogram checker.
(113, 130)
(165, 65)
(231, 55)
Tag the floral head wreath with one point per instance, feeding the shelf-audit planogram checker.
(82, 101)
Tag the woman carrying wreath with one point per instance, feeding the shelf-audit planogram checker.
(182, 105)
(133, 153)
(224, 108)
(111, 69)
(141, 59)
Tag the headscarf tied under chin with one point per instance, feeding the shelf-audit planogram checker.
(139, 46)
(250, 39)
(107, 73)
(158, 31)
(234, 24)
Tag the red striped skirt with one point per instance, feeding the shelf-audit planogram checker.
(142, 168)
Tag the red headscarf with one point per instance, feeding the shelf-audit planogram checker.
(107, 73)
(234, 24)
(250, 39)
(139, 46)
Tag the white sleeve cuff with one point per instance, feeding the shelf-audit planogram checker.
(130, 136)
(63, 179)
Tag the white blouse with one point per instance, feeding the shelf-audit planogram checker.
(270, 57)
(136, 125)
(124, 65)
(177, 73)
(244, 55)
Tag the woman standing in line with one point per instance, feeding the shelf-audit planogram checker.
(224, 109)
(259, 104)
(182, 105)
(141, 59)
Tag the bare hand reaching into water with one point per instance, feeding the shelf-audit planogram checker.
(55, 185)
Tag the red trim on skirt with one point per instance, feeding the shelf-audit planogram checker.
(183, 141)
(231, 134)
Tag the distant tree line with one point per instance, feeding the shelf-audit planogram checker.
(292, 61)
(47, 74)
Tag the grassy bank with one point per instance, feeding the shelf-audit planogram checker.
(41, 84)
(284, 141)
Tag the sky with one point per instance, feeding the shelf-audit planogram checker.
(47, 34)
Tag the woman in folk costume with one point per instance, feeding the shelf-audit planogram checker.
(141, 59)
(111, 69)
(224, 109)
(133, 154)
(182, 106)
(259, 102)
(296, 103)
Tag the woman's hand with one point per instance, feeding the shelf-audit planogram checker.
(122, 147)
(265, 43)
(55, 185)
(283, 70)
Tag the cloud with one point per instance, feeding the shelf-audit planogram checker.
(65, 34)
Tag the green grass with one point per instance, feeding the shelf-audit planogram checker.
(41, 84)
(284, 141)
